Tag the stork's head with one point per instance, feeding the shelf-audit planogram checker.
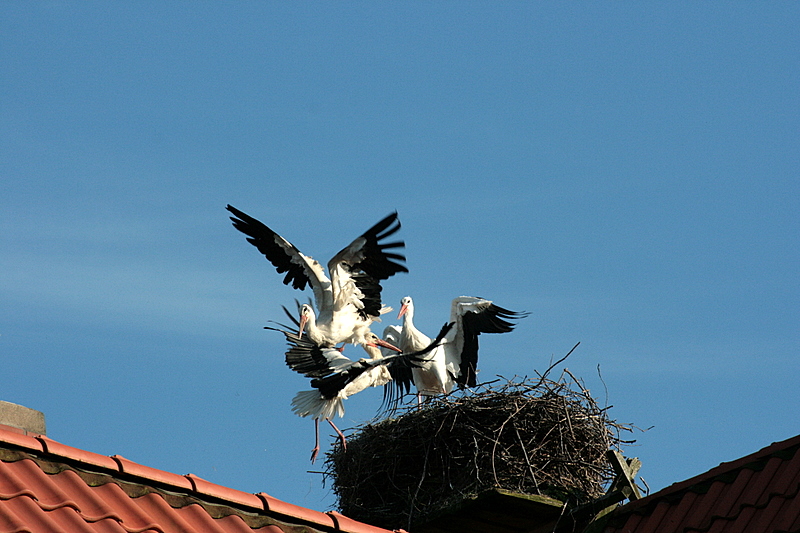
(306, 314)
(375, 341)
(372, 344)
(406, 307)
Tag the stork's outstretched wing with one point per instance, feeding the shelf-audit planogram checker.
(301, 270)
(331, 384)
(472, 317)
(309, 359)
(357, 270)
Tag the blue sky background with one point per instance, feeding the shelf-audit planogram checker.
(625, 172)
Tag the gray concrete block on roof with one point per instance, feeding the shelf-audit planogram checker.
(20, 417)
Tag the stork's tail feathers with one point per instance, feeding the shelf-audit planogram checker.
(311, 403)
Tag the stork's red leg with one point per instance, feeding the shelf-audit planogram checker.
(315, 451)
(341, 435)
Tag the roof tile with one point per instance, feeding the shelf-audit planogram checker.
(206, 488)
(287, 509)
(86, 500)
(153, 474)
(759, 492)
(63, 451)
(46, 486)
(787, 479)
(789, 518)
(111, 501)
(346, 524)
(17, 439)
(10, 522)
(12, 484)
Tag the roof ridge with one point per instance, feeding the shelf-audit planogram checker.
(257, 510)
(42, 446)
(130, 488)
(785, 449)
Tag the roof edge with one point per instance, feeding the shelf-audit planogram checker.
(791, 444)
(118, 467)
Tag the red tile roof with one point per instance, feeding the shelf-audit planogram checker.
(757, 493)
(46, 486)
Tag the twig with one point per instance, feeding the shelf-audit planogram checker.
(546, 372)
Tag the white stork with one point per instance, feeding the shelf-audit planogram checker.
(455, 361)
(335, 377)
(350, 300)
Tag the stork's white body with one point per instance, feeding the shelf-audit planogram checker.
(349, 301)
(455, 360)
(314, 404)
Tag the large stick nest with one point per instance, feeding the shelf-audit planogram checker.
(528, 436)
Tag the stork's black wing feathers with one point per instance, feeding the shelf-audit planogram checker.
(329, 386)
(268, 243)
(378, 262)
(371, 294)
(402, 380)
(291, 316)
(493, 319)
(375, 263)
(307, 358)
(402, 376)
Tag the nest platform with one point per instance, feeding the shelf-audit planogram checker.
(536, 437)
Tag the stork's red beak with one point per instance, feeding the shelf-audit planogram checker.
(385, 344)
(403, 309)
(303, 320)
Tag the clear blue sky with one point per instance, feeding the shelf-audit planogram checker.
(627, 172)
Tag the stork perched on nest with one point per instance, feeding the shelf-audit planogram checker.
(455, 361)
(350, 300)
(335, 377)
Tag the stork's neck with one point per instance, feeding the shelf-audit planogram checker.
(408, 317)
(409, 329)
(312, 330)
(372, 351)
(311, 321)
